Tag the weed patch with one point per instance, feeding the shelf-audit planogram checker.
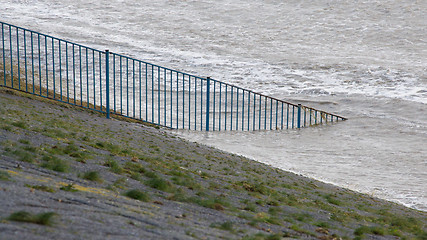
(369, 230)
(134, 167)
(160, 184)
(41, 218)
(69, 188)
(20, 124)
(262, 236)
(333, 200)
(138, 195)
(92, 176)
(41, 188)
(214, 203)
(114, 166)
(23, 155)
(227, 226)
(4, 176)
(55, 164)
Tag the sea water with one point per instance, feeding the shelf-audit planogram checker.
(365, 60)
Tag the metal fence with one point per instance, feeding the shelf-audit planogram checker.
(112, 83)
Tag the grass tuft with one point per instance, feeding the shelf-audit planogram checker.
(68, 188)
(369, 230)
(41, 188)
(55, 164)
(92, 176)
(138, 195)
(160, 184)
(114, 166)
(20, 124)
(23, 216)
(4, 176)
(227, 226)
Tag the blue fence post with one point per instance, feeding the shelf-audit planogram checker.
(299, 116)
(107, 83)
(208, 90)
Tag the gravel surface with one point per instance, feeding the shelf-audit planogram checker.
(82, 167)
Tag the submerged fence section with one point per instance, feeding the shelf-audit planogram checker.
(112, 83)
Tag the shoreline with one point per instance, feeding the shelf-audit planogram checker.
(345, 186)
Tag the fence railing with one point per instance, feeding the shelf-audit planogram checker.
(112, 83)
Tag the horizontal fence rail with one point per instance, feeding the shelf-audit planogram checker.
(112, 83)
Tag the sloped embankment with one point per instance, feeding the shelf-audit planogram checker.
(67, 173)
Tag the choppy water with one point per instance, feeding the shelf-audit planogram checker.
(365, 60)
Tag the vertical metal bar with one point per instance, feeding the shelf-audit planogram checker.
(201, 105)
(177, 100)
(133, 69)
(183, 101)
(121, 85)
(189, 103)
(146, 92)
(293, 116)
(40, 69)
(140, 91)
(277, 111)
(74, 74)
(47, 70)
(271, 113)
(60, 65)
(237, 109)
(25, 56)
(231, 106)
(214, 103)
(107, 82)
(165, 96)
(299, 116)
(53, 68)
(87, 77)
(17, 51)
(11, 57)
(100, 78)
(152, 93)
(158, 94)
(127, 87)
(164, 99)
(195, 104)
(265, 113)
(281, 122)
(81, 76)
(254, 113)
(171, 89)
(259, 127)
(226, 98)
(315, 117)
(114, 82)
(249, 109)
(310, 115)
(66, 70)
(208, 98)
(94, 79)
(4, 58)
(220, 105)
(287, 116)
(243, 109)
